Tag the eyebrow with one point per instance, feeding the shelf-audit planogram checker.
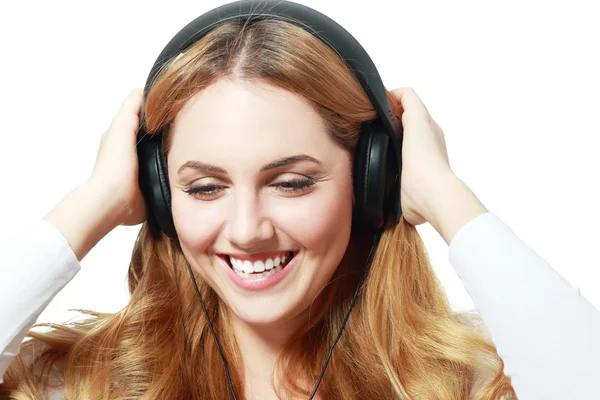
(204, 167)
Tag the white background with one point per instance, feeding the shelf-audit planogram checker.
(514, 85)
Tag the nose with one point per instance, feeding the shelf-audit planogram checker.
(248, 226)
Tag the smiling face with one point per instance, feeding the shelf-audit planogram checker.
(261, 197)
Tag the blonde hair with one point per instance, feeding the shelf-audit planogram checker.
(402, 340)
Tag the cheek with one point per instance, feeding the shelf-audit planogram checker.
(197, 224)
(320, 222)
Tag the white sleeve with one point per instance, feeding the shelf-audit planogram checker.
(547, 333)
(34, 266)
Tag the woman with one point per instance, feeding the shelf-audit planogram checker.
(260, 171)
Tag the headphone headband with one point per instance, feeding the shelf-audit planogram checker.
(319, 25)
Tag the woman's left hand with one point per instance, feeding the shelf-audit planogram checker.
(429, 190)
(425, 164)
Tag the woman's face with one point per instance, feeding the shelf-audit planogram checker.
(261, 197)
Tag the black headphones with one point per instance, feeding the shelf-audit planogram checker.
(378, 161)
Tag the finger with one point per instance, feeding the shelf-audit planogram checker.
(129, 111)
(410, 101)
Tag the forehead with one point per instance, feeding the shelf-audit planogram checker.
(247, 121)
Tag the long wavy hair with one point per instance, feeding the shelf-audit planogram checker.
(402, 341)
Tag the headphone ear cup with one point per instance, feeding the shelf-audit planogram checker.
(154, 185)
(371, 170)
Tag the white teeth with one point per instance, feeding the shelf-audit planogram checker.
(265, 273)
(259, 266)
(248, 267)
(269, 264)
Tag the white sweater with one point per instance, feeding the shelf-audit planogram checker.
(547, 334)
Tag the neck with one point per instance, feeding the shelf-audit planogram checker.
(259, 345)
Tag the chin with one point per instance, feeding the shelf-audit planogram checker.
(273, 315)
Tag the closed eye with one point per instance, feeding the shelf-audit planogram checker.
(288, 187)
(204, 190)
(295, 185)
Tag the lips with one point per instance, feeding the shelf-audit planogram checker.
(262, 264)
(258, 280)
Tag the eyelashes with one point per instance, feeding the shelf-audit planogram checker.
(203, 191)
(294, 186)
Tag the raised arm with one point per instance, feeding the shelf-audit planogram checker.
(38, 262)
(544, 330)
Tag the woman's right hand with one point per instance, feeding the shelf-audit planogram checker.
(116, 168)
(111, 195)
